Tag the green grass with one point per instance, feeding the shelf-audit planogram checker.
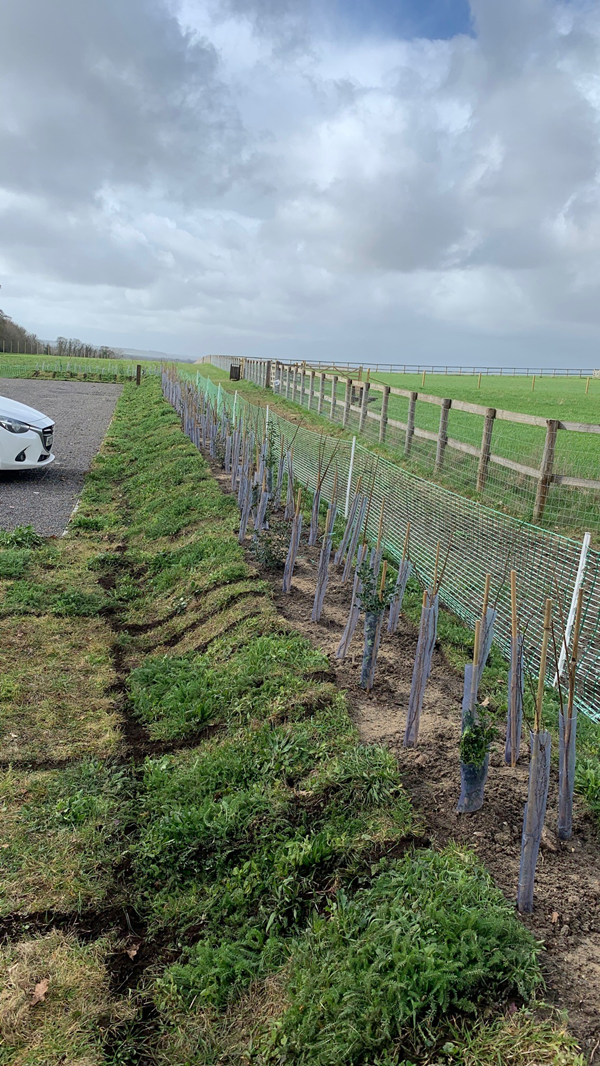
(430, 937)
(577, 454)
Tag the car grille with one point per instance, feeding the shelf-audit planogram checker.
(47, 437)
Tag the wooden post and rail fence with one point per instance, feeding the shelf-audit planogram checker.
(289, 381)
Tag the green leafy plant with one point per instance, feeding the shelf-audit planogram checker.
(21, 537)
(476, 739)
(270, 546)
(373, 598)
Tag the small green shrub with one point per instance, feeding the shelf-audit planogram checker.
(21, 537)
(72, 604)
(270, 546)
(476, 739)
(431, 936)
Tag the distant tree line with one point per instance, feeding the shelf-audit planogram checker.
(15, 339)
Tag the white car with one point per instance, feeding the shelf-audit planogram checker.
(25, 436)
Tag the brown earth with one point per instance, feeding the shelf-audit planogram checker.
(566, 917)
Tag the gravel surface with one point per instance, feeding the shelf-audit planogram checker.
(82, 411)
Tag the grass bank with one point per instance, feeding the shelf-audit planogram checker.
(201, 863)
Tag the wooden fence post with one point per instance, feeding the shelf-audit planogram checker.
(294, 382)
(486, 448)
(311, 389)
(384, 414)
(268, 374)
(302, 382)
(287, 381)
(333, 397)
(545, 477)
(363, 407)
(410, 425)
(138, 373)
(442, 436)
(347, 402)
(321, 393)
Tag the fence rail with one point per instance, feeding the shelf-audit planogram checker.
(427, 368)
(552, 471)
(478, 539)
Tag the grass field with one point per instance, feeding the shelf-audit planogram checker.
(568, 511)
(210, 872)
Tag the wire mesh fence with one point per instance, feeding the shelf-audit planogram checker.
(88, 369)
(540, 470)
(475, 539)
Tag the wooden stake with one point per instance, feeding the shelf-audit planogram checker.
(423, 380)
(382, 582)
(298, 502)
(543, 658)
(405, 548)
(533, 383)
(380, 530)
(587, 385)
(479, 381)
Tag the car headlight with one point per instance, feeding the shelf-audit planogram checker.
(13, 425)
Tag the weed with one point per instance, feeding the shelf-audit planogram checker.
(21, 537)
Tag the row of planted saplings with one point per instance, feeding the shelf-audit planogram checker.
(259, 485)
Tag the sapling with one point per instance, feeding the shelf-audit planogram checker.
(350, 524)
(324, 557)
(404, 572)
(355, 537)
(353, 614)
(539, 780)
(567, 729)
(488, 619)
(294, 544)
(476, 736)
(375, 596)
(289, 501)
(279, 482)
(424, 653)
(515, 682)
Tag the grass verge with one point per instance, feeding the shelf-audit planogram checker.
(277, 907)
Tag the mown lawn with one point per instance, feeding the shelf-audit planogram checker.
(212, 814)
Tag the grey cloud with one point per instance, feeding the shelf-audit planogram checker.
(111, 91)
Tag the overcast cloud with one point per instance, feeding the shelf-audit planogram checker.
(271, 177)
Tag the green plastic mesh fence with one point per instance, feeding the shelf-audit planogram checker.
(475, 539)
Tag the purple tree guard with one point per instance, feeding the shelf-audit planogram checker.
(246, 511)
(313, 533)
(356, 532)
(515, 700)
(421, 669)
(346, 638)
(373, 626)
(404, 573)
(567, 729)
(235, 459)
(350, 522)
(290, 504)
(472, 785)
(323, 570)
(279, 484)
(533, 821)
(292, 552)
(261, 510)
(487, 635)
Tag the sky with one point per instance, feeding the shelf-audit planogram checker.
(404, 181)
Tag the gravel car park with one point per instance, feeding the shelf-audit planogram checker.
(44, 493)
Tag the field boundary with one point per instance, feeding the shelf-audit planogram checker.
(476, 539)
